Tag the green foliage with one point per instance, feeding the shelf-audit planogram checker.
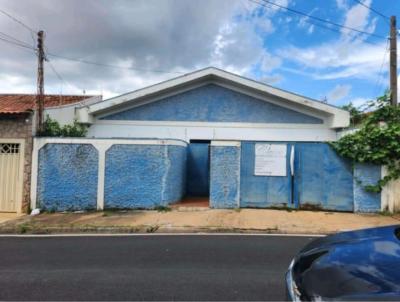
(356, 115)
(52, 128)
(376, 142)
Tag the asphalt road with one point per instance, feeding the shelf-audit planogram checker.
(146, 267)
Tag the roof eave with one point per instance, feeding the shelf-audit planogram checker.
(339, 118)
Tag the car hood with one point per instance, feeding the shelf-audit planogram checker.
(358, 265)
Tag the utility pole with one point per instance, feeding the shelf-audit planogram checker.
(40, 84)
(393, 61)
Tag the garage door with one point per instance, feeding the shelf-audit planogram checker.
(11, 170)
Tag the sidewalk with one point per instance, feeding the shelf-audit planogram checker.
(9, 216)
(197, 220)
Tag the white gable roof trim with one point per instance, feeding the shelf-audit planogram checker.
(338, 118)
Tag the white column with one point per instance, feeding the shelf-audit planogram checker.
(101, 147)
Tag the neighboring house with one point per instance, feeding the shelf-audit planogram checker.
(209, 134)
(17, 127)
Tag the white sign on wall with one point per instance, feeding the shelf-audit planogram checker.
(270, 159)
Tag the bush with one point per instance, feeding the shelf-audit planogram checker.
(376, 142)
(53, 129)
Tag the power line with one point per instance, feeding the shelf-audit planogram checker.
(14, 39)
(17, 20)
(59, 75)
(377, 85)
(322, 20)
(110, 65)
(17, 44)
(30, 29)
(334, 30)
(372, 9)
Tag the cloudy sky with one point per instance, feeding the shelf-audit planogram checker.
(148, 41)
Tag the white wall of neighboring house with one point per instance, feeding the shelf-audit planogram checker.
(66, 114)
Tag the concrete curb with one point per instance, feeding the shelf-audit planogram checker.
(22, 229)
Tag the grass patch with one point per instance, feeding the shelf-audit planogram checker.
(152, 229)
(23, 228)
(162, 209)
(385, 213)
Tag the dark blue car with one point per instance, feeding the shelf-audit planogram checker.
(360, 265)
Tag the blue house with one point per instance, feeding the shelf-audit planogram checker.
(211, 134)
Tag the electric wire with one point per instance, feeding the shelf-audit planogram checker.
(372, 9)
(15, 19)
(321, 19)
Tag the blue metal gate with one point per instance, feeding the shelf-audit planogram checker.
(198, 169)
(323, 180)
(263, 191)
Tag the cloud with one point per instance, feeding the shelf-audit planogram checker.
(304, 22)
(358, 102)
(342, 4)
(269, 62)
(272, 79)
(358, 17)
(338, 92)
(338, 59)
(349, 56)
(173, 35)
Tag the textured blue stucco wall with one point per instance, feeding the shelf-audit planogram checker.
(67, 177)
(262, 191)
(213, 103)
(174, 186)
(322, 178)
(198, 169)
(225, 177)
(144, 176)
(366, 174)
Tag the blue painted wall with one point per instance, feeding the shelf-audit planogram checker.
(322, 178)
(198, 169)
(174, 186)
(213, 103)
(67, 177)
(262, 191)
(225, 177)
(364, 201)
(144, 176)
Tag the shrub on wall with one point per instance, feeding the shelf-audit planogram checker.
(54, 129)
(377, 141)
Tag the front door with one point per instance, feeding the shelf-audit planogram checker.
(198, 169)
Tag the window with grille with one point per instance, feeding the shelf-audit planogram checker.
(6, 148)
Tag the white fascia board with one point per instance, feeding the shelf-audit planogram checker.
(41, 141)
(210, 124)
(339, 118)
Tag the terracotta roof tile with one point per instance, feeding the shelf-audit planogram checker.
(21, 103)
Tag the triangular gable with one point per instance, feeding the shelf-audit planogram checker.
(213, 103)
(334, 117)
